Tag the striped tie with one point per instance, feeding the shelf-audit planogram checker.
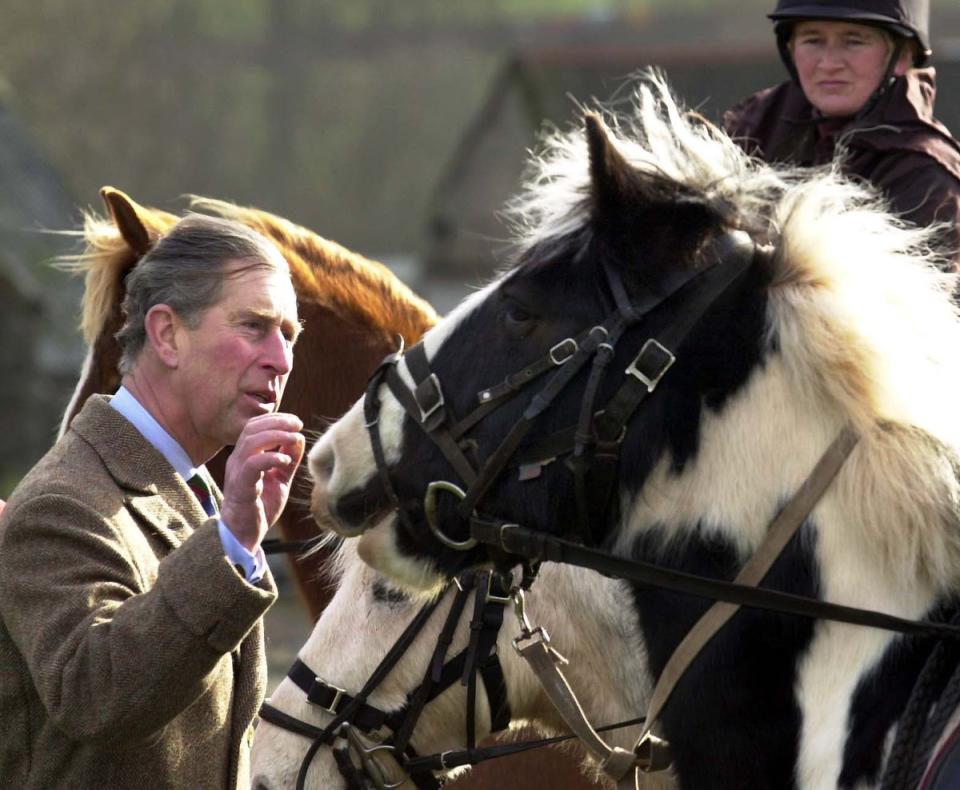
(202, 492)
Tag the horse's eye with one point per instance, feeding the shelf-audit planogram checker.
(517, 319)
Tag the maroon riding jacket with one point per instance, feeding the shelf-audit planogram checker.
(898, 146)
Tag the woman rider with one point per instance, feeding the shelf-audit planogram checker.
(860, 85)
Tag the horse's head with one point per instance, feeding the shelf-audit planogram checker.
(362, 635)
(621, 242)
(684, 333)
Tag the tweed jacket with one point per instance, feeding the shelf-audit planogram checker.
(131, 650)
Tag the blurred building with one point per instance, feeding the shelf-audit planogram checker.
(41, 350)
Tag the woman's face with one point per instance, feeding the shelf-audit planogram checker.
(840, 64)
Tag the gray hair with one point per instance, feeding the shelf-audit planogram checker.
(186, 270)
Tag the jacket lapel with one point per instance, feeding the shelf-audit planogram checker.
(154, 491)
(159, 518)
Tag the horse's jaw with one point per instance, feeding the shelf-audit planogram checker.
(378, 548)
(276, 756)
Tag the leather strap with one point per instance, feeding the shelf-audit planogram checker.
(779, 533)
(545, 662)
(334, 700)
(540, 547)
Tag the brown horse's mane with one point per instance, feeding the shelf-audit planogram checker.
(324, 273)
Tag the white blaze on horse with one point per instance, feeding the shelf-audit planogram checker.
(684, 334)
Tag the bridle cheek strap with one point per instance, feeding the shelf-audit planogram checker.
(545, 663)
(729, 256)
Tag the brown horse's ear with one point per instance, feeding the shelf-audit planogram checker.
(126, 216)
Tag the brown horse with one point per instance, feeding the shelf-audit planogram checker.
(354, 312)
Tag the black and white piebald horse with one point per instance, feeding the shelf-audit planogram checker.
(785, 310)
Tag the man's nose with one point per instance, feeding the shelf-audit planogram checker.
(278, 354)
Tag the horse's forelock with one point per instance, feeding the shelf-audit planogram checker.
(104, 261)
(658, 138)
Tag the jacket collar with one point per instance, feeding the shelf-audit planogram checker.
(153, 489)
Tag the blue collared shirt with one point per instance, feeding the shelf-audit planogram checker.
(254, 565)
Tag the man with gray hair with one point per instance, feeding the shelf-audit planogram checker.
(131, 589)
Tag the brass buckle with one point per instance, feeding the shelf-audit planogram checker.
(651, 383)
(337, 696)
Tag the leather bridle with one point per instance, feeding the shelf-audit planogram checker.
(353, 715)
(593, 444)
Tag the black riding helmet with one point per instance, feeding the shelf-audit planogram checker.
(905, 19)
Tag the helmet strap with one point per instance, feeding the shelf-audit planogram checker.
(888, 78)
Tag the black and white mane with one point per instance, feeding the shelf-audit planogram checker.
(842, 319)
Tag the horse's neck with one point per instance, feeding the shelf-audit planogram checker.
(751, 456)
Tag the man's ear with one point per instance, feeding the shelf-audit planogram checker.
(162, 326)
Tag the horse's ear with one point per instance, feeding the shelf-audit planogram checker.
(624, 197)
(125, 213)
(610, 174)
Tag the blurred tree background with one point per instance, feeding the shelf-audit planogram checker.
(338, 114)
(335, 113)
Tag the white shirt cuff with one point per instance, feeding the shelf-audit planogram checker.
(254, 565)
